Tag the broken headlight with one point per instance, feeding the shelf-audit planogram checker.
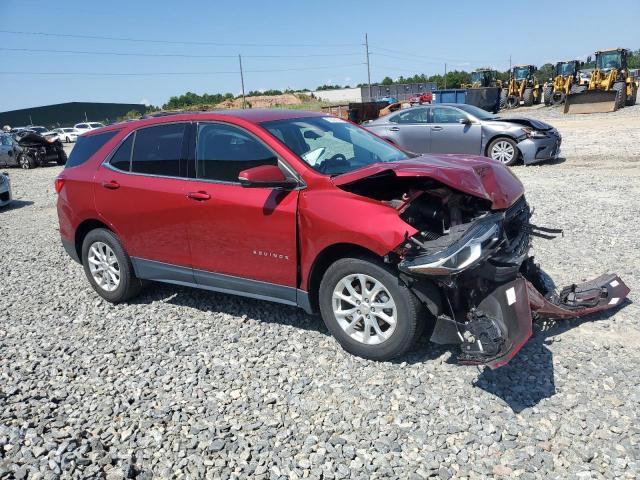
(461, 254)
(531, 133)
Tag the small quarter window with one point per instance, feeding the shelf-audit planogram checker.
(122, 158)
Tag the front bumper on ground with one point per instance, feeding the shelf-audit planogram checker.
(535, 150)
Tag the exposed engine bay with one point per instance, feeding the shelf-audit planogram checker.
(470, 265)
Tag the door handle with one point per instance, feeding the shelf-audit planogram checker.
(437, 129)
(199, 196)
(394, 129)
(112, 185)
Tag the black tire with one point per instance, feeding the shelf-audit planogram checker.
(409, 310)
(503, 98)
(513, 101)
(510, 141)
(558, 98)
(129, 285)
(62, 157)
(547, 92)
(26, 162)
(578, 88)
(621, 94)
(631, 100)
(67, 140)
(527, 97)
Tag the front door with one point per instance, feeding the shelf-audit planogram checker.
(448, 135)
(141, 192)
(7, 151)
(241, 238)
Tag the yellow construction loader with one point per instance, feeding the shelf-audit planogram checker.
(565, 81)
(611, 86)
(522, 87)
(483, 78)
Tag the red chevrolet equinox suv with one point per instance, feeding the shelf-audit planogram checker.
(310, 210)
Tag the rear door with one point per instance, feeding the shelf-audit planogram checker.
(241, 238)
(409, 129)
(448, 135)
(140, 192)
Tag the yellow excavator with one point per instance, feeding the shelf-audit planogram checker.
(522, 87)
(565, 81)
(611, 86)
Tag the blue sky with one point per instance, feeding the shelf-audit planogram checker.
(285, 44)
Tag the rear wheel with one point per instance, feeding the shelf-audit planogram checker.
(547, 91)
(503, 98)
(621, 94)
(527, 97)
(368, 310)
(503, 150)
(513, 101)
(62, 157)
(67, 140)
(558, 97)
(108, 267)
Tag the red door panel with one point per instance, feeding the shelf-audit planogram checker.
(244, 232)
(149, 214)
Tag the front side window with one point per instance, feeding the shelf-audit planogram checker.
(82, 125)
(447, 115)
(223, 151)
(411, 115)
(6, 140)
(158, 150)
(609, 60)
(332, 146)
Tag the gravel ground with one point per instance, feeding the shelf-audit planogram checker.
(191, 384)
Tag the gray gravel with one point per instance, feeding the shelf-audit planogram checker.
(191, 384)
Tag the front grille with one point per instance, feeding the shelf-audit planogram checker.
(517, 236)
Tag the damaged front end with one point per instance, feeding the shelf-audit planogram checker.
(469, 261)
(491, 287)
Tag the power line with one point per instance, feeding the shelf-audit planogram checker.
(183, 73)
(175, 42)
(129, 54)
(441, 59)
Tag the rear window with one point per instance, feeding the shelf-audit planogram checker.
(85, 147)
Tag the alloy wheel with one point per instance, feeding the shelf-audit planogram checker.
(104, 266)
(364, 309)
(503, 151)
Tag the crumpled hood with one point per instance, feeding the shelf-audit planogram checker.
(472, 174)
(525, 122)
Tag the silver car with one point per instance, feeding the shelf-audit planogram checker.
(5, 189)
(459, 128)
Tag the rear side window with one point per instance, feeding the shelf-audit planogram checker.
(122, 158)
(85, 147)
(158, 150)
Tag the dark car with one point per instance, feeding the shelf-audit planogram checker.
(11, 154)
(37, 150)
(459, 128)
(310, 210)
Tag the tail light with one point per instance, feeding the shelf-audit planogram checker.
(58, 184)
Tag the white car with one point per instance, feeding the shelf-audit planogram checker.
(86, 126)
(5, 189)
(66, 135)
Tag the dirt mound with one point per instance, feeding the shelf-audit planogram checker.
(263, 101)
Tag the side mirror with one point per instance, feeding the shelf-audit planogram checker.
(266, 176)
(465, 121)
(311, 135)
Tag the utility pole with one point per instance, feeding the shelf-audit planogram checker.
(241, 80)
(509, 67)
(366, 45)
(445, 76)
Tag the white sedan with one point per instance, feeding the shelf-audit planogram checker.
(86, 126)
(66, 135)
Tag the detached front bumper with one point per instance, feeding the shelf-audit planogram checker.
(539, 149)
(5, 191)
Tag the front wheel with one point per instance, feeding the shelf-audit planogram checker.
(503, 150)
(26, 162)
(368, 309)
(621, 94)
(108, 267)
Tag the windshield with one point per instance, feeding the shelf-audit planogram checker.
(520, 72)
(564, 69)
(480, 77)
(477, 112)
(608, 60)
(332, 146)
